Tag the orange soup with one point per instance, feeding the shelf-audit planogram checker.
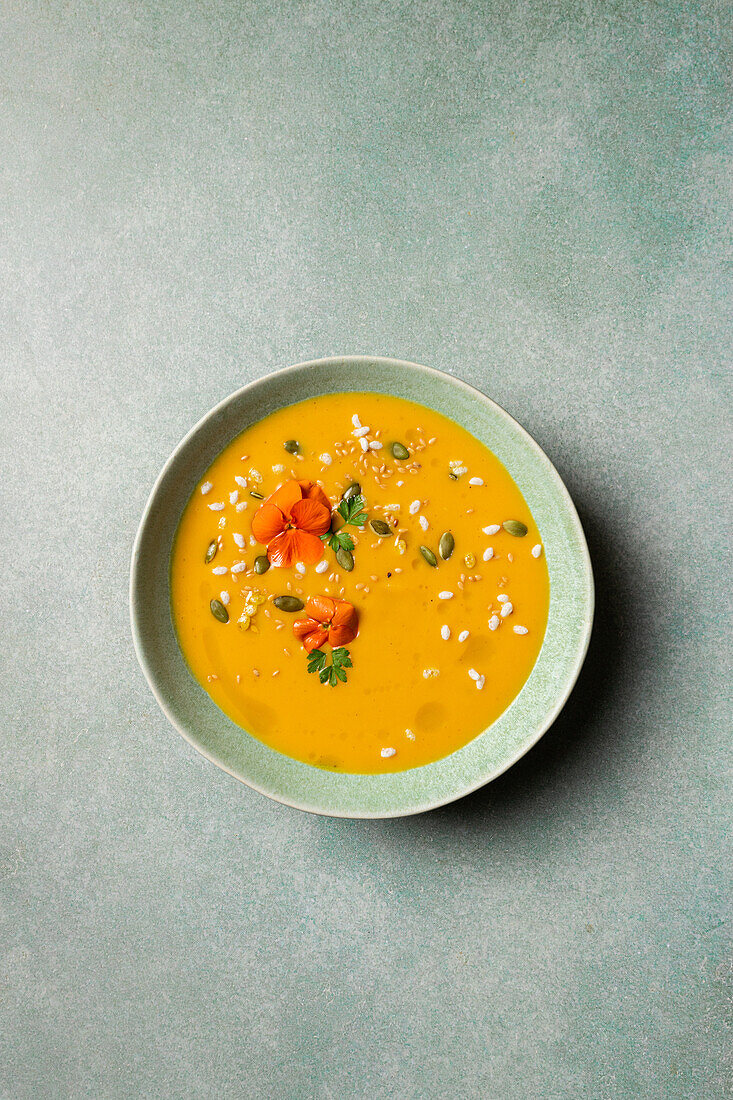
(358, 582)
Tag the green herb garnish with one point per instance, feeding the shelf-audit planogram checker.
(352, 513)
(333, 672)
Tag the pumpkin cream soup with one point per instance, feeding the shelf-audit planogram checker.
(358, 583)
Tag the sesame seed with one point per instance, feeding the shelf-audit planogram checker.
(222, 521)
(445, 595)
(423, 522)
(239, 567)
(239, 678)
(355, 420)
(299, 568)
(502, 598)
(322, 566)
(474, 674)
(510, 557)
(399, 484)
(252, 540)
(520, 630)
(224, 597)
(375, 445)
(239, 539)
(255, 672)
(217, 506)
(276, 672)
(359, 432)
(488, 553)
(480, 683)
(414, 507)
(219, 570)
(445, 632)
(364, 444)
(506, 609)
(326, 458)
(242, 505)
(241, 481)
(492, 529)
(494, 622)
(234, 496)
(462, 636)
(537, 550)
(475, 481)
(388, 752)
(409, 735)
(206, 487)
(433, 440)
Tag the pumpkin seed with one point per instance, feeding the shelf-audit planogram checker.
(292, 446)
(429, 556)
(219, 611)
(262, 564)
(256, 495)
(211, 551)
(447, 545)
(470, 560)
(452, 476)
(515, 527)
(288, 603)
(379, 527)
(345, 559)
(400, 451)
(352, 490)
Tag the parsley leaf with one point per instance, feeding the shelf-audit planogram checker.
(352, 511)
(335, 671)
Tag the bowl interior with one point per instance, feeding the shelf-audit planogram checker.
(201, 722)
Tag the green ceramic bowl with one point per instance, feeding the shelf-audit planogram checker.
(209, 730)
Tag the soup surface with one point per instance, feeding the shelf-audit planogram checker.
(370, 634)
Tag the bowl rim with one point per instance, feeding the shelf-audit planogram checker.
(535, 734)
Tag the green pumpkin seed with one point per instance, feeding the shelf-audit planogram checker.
(379, 527)
(400, 451)
(288, 603)
(211, 551)
(262, 564)
(352, 490)
(515, 527)
(452, 476)
(292, 446)
(447, 545)
(219, 611)
(345, 559)
(429, 556)
(256, 495)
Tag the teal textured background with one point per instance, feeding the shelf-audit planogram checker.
(533, 196)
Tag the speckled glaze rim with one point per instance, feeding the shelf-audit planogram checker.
(289, 781)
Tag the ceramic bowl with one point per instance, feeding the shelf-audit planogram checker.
(210, 731)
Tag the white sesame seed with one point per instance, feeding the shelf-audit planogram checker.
(364, 444)
(502, 598)
(219, 570)
(399, 484)
(492, 529)
(222, 521)
(537, 550)
(423, 522)
(375, 445)
(358, 433)
(234, 497)
(445, 632)
(255, 672)
(494, 622)
(475, 481)
(480, 683)
(414, 507)
(325, 458)
(252, 540)
(355, 420)
(388, 752)
(217, 506)
(445, 595)
(322, 566)
(276, 672)
(409, 735)
(488, 553)
(239, 567)
(520, 630)
(462, 636)
(224, 597)
(206, 487)
(506, 609)
(299, 568)
(474, 674)
(510, 557)
(242, 505)
(239, 539)
(241, 481)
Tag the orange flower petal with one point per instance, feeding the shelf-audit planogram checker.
(315, 640)
(345, 613)
(311, 491)
(310, 515)
(301, 627)
(321, 608)
(282, 550)
(267, 522)
(307, 548)
(342, 635)
(286, 496)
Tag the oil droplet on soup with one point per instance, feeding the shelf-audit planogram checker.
(389, 685)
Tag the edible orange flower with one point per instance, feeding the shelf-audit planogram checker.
(332, 621)
(291, 521)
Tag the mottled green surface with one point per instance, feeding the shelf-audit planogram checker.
(533, 196)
